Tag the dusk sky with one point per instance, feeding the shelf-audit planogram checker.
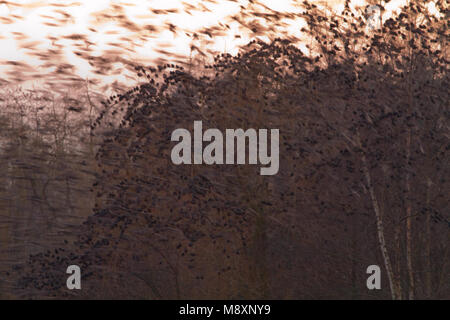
(37, 37)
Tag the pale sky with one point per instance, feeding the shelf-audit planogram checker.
(40, 34)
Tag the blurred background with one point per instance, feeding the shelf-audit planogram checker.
(90, 92)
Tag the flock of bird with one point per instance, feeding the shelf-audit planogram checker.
(110, 41)
(147, 214)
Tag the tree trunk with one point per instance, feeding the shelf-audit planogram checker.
(409, 219)
(380, 230)
(428, 243)
(398, 229)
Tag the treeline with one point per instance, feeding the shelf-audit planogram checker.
(363, 174)
(47, 161)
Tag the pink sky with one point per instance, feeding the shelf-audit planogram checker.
(39, 34)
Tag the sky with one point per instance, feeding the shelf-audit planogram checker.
(68, 38)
